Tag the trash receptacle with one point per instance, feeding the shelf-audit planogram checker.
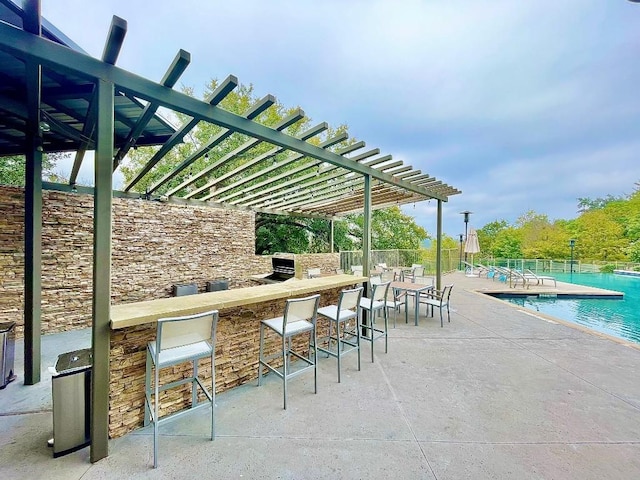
(218, 285)
(7, 352)
(71, 386)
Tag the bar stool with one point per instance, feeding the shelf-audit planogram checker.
(300, 316)
(339, 316)
(180, 340)
(372, 305)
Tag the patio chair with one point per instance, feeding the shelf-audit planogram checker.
(299, 318)
(393, 301)
(440, 299)
(417, 271)
(539, 278)
(383, 266)
(180, 340)
(371, 305)
(346, 339)
(357, 269)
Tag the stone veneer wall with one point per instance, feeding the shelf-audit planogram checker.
(237, 349)
(11, 253)
(155, 245)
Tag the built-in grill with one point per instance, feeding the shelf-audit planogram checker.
(283, 269)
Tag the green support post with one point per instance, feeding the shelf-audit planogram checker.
(366, 233)
(331, 235)
(101, 332)
(33, 208)
(439, 249)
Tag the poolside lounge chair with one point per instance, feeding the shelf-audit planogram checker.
(539, 278)
(517, 277)
(482, 270)
(468, 268)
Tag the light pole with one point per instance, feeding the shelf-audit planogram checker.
(572, 243)
(466, 214)
(460, 263)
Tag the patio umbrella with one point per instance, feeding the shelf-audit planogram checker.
(472, 246)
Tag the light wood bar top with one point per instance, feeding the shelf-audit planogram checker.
(132, 314)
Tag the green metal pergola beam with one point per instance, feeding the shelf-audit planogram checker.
(291, 187)
(112, 47)
(310, 197)
(178, 137)
(295, 157)
(303, 186)
(305, 136)
(223, 90)
(295, 117)
(259, 107)
(175, 70)
(340, 172)
(328, 143)
(26, 46)
(345, 200)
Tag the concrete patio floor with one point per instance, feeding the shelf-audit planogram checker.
(497, 393)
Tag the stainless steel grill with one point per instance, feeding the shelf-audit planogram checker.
(283, 269)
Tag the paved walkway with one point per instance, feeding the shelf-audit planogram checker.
(498, 393)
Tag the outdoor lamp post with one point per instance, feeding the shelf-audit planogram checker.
(466, 214)
(460, 262)
(572, 243)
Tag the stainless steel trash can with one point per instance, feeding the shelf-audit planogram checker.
(71, 385)
(7, 352)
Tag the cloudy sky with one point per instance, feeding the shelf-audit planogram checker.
(521, 105)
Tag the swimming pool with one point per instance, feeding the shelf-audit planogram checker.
(619, 318)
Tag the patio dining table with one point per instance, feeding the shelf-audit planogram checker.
(411, 288)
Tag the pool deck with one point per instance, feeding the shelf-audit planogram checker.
(500, 392)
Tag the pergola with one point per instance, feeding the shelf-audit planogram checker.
(56, 98)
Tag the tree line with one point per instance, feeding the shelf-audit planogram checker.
(606, 229)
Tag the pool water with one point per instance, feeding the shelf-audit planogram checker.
(619, 318)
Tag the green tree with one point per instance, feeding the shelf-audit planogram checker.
(508, 244)
(12, 169)
(600, 237)
(588, 204)
(487, 236)
(390, 229)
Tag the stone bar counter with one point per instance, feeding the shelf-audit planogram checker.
(133, 325)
